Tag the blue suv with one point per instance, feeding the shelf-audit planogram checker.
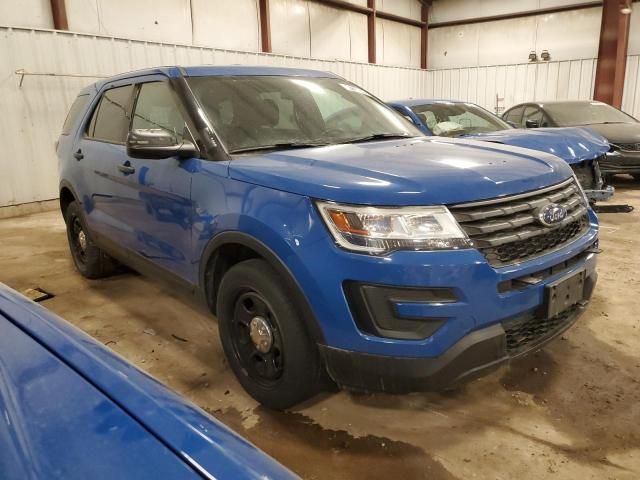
(334, 243)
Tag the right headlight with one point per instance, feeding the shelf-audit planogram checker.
(379, 230)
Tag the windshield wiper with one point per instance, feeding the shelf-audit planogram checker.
(602, 123)
(279, 146)
(377, 136)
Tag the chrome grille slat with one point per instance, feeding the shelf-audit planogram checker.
(552, 197)
(506, 230)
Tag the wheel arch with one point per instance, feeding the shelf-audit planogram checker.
(229, 248)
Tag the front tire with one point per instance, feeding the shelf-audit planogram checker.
(264, 337)
(90, 260)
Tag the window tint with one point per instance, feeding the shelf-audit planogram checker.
(252, 112)
(514, 115)
(110, 120)
(452, 119)
(156, 109)
(74, 112)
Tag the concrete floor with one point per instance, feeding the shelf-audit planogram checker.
(570, 411)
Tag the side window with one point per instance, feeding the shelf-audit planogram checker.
(514, 116)
(110, 119)
(532, 113)
(156, 109)
(75, 111)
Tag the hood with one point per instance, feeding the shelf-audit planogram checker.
(415, 171)
(572, 144)
(618, 132)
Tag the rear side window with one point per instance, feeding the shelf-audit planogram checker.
(110, 120)
(76, 109)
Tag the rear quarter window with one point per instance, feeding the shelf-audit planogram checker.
(78, 106)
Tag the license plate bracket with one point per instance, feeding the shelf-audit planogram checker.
(564, 293)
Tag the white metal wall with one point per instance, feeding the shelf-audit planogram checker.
(631, 95)
(514, 84)
(31, 116)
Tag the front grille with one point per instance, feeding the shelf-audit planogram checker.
(630, 147)
(586, 174)
(524, 333)
(507, 230)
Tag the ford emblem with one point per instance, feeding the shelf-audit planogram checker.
(552, 214)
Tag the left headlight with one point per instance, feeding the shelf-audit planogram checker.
(379, 230)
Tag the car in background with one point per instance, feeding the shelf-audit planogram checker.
(620, 129)
(72, 409)
(580, 148)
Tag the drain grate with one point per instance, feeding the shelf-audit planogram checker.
(37, 294)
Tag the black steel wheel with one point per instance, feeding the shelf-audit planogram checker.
(256, 339)
(265, 338)
(90, 260)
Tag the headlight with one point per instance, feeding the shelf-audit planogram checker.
(379, 230)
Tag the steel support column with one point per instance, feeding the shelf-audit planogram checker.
(265, 26)
(424, 34)
(612, 53)
(371, 30)
(59, 14)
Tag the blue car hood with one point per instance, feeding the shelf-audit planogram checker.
(414, 171)
(572, 144)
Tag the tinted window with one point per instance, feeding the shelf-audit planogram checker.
(156, 109)
(454, 119)
(110, 121)
(585, 113)
(514, 115)
(261, 111)
(74, 112)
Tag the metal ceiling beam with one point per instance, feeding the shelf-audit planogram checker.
(509, 16)
(59, 14)
(612, 52)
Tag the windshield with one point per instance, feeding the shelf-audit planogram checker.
(261, 112)
(457, 119)
(585, 113)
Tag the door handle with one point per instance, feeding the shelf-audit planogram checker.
(78, 155)
(126, 168)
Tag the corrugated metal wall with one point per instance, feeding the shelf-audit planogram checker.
(31, 115)
(631, 95)
(514, 84)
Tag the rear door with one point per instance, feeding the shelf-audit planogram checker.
(156, 194)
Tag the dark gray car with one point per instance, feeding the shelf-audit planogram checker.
(621, 130)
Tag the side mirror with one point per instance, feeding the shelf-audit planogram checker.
(158, 143)
(532, 124)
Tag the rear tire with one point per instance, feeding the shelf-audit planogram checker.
(90, 260)
(265, 338)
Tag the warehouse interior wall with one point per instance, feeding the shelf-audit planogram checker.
(304, 34)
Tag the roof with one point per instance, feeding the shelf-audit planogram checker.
(217, 70)
(556, 102)
(412, 102)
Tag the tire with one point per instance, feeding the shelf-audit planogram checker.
(251, 296)
(90, 260)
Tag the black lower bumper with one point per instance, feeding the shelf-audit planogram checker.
(623, 163)
(475, 355)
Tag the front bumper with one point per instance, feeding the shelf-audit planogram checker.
(620, 162)
(476, 354)
(605, 193)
